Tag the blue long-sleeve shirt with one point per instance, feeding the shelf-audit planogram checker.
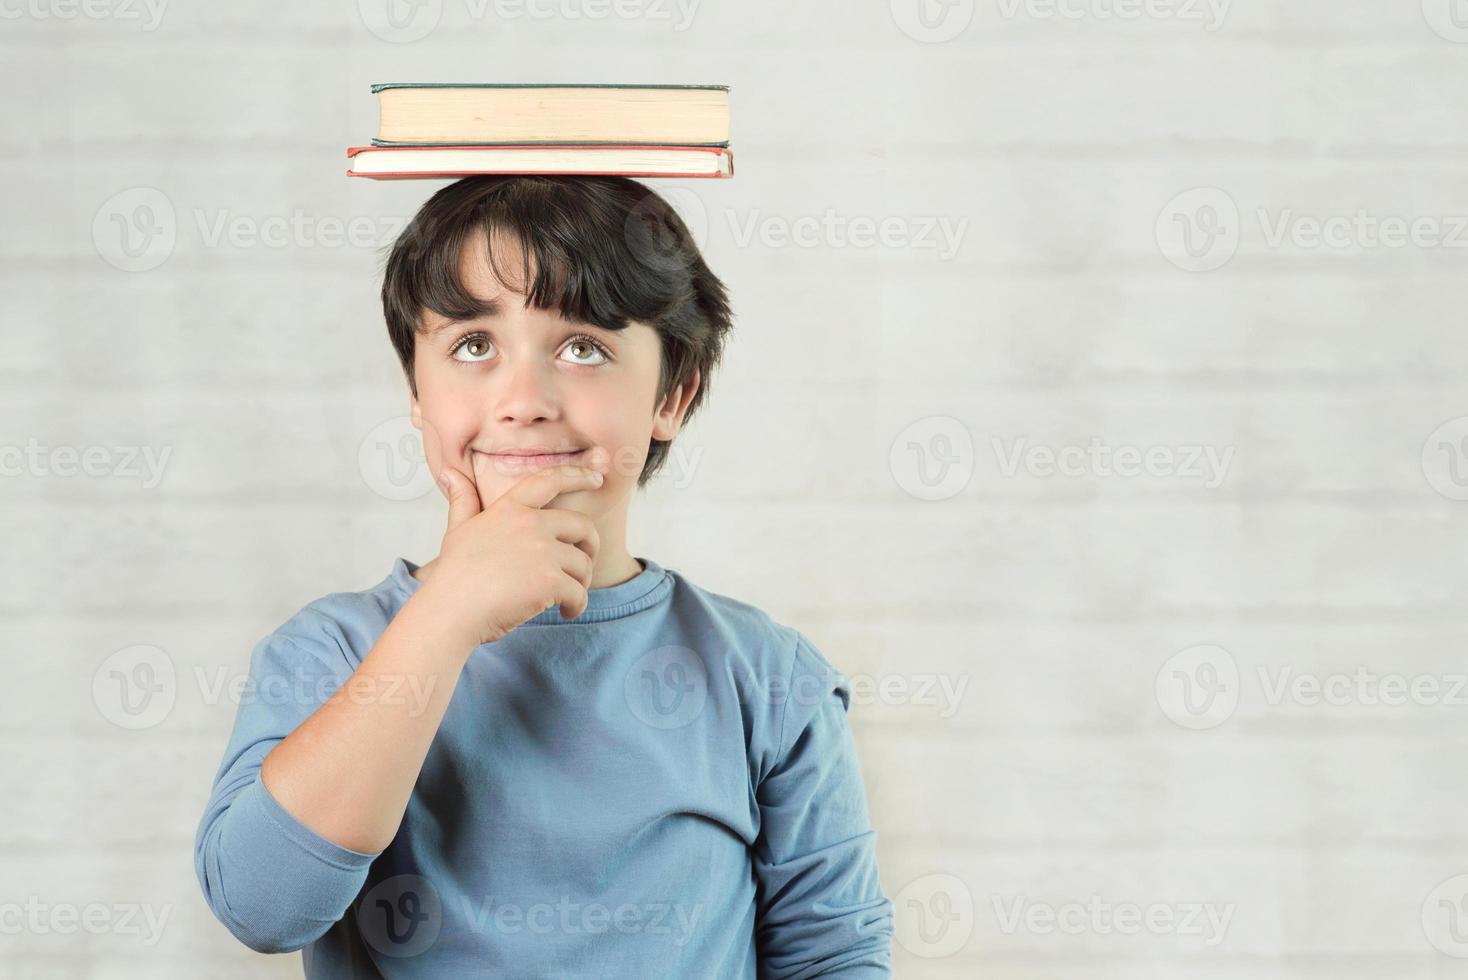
(664, 786)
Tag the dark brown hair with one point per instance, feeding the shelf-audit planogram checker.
(605, 250)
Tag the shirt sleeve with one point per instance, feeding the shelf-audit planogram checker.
(275, 884)
(822, 912)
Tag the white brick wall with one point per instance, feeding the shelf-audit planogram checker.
(1012, 640)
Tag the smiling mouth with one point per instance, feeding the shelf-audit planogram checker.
(521, 461)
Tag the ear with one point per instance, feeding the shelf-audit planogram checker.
(669, 416)
(415, 413)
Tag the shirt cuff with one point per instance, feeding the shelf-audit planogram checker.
(280, 884)
(256, 797)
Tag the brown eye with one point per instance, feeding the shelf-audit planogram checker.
(589, 349)
(475, 346)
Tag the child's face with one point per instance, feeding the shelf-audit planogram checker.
(520, 379)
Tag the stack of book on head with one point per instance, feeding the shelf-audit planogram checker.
(433, 129)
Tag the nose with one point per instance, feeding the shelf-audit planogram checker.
(526, 393)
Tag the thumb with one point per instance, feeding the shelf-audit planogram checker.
(462, 496)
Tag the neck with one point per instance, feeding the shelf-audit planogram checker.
(614, 564)
(605, 575)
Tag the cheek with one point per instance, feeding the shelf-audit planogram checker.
(620, 425)
(446, 432)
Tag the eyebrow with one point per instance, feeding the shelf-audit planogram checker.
(482, 308)
(492, 308)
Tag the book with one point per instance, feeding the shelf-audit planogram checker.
(389, 162)
(452, 114)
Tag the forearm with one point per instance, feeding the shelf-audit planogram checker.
(348, 770)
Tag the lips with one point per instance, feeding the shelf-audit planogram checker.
(537, 451)
(527, 459)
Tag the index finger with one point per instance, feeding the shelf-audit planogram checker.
(541, 487)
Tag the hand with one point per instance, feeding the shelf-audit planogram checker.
(501, 564)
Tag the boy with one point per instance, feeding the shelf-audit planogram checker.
(538, 755)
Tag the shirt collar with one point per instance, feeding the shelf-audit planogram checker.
(642, 590)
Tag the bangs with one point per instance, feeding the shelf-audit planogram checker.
(565, 249)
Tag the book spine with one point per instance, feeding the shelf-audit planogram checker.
(699, 147)
(379, 86)
(397, 144)
(453, 174)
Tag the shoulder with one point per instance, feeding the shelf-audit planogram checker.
(343, 626)
(777, 669)
(748, 633)
(728, 617)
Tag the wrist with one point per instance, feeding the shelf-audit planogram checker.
(432, 614)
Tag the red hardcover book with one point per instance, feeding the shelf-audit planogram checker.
(409, 162)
